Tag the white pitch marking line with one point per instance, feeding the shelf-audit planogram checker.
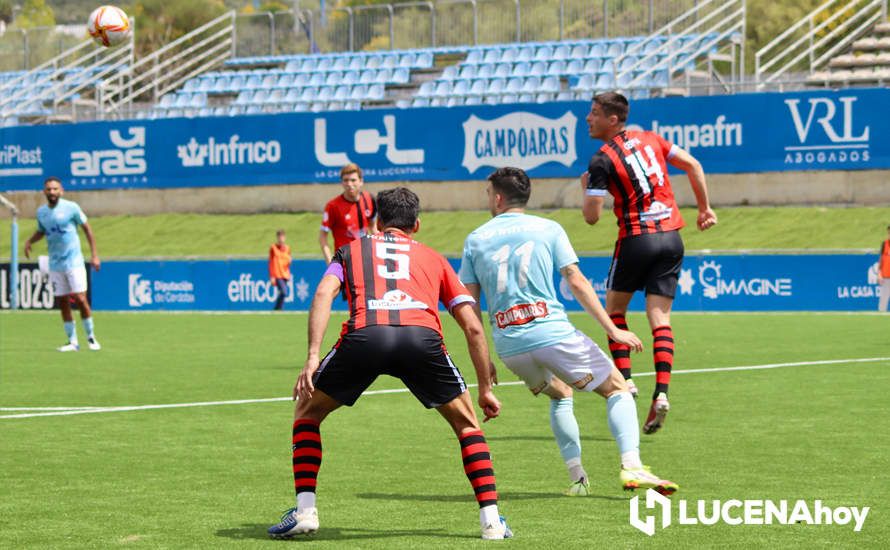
(48, 408)
(91, 410)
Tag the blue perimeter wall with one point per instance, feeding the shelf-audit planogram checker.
(819, 130)
(707, 283)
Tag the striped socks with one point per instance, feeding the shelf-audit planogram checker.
(306, 460)
(620, 352)
(478, 467)
(663, 352)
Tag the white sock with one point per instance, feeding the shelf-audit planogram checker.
(488, 515)
(305, 500)
(631, 460)
(576, 470)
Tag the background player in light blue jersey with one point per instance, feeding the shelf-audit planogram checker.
(512, 258)
(58, 221)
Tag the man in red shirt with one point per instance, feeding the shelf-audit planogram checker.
(349, 215)
(632, 167)
(393, 285)
(884, 273)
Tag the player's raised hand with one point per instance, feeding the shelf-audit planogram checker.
(490, 405)
(304, 387)
(706, 219)
(627, 338)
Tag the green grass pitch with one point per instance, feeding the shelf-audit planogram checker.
(217, 476)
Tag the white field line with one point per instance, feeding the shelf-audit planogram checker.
(52, 411)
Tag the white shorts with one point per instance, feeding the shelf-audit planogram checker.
(577, 361)
(72, 281)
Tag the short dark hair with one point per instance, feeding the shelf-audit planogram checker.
(52, 178)
(398, 208)
(280, 232)
(613, 103)
(512, 184)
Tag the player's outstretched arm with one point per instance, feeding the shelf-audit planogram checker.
(31, 240)
(94, 251)
(325, 246)
(478, 348)
(319, 316)
(689, 164)
(586, 296)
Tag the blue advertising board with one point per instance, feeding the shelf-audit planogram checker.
(819, 130)
(707, 283)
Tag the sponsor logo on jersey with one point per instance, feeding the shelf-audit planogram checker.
(520, 139)
(396, 299)
(657, 211)
(521, 314)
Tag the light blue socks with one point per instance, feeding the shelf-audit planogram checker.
(88, 326)
(70, 332)
(625, 428)
(568, 436)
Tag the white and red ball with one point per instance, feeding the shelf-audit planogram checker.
(109, 25)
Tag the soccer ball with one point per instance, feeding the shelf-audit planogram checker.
(109, 25)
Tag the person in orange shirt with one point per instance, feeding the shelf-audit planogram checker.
(884, 273)
(279, 267)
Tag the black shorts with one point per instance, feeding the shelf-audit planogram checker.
(415, 355)
(649, 262)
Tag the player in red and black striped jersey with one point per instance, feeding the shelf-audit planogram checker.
(393, 285)
(633, 168)
(350, 215)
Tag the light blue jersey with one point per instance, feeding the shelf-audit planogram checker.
(512, 257)
(59, 224)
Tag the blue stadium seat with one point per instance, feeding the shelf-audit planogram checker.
(356, 63)
(503, 70)
(454, 101)
(526, 98)
(390, 61)
(383, 76)
(565, 96)
(442, 89)
(401, 76)
(293, 95)
(627, 63)
(252, 82)
(598, 49)
(373, 62)
(492, 55)
(341, 93)
(561, 52)
(340, 63)
(615, 49)
(604, 81)
(269, 81)
(191, 85)
(508, 55)
(286, 80)
(368, 76)
(484, 70)
(243, 98)
(550, 84)
(538, 68)
(309, 94)
(207, 84)
(478, 87)
(350, 78)
(474, 57)
(167, 100)
(317, 79)
(450, 73)
(460, 87)
(524, 54)
(513, 85)
(544, 98)
(325, 93)
(495, 86)
(253, 110)
(407, 60)
(579, 51)
(293, 66)
(574, 67)
(358, 92)
(300, 107)
(324, 64)
(467, 71)
(276, 96)
(425, 89)
(544, 53)
(333, 78)
(522, 69)
(403, 103)
(531, 84)
(556, 68)
(198, 99)
(420, 102)
(259, 96)
(182, 100)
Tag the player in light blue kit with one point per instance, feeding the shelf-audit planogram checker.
(511, 258)
(58, 221)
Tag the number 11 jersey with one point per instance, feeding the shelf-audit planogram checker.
(391, 279)
(512, 257)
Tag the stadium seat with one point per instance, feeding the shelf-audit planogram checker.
(513, 85)
(492, 55)
(526, 98)
(531, 84)
(503, 70)
(358, 92)
(560, 53)
(400, 75)
(565, 96)
(341, 93)
(508, 55)
(467, 71)
(543, 53)
(269, 81)
(333, 78)
(325, 93)
(538, 68)
(373, 62)
(478, 87)
(556, 68)
(460, 87)
(604, 81)
(598, 49)
(368, 76)
(473, 100)
(495, 86)
(450, 73)
(407, 60)
(309, 94)
(442, 89)
(420, 102)
(317, 79)
(484, 71)
(550, 84)
(474, 57)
